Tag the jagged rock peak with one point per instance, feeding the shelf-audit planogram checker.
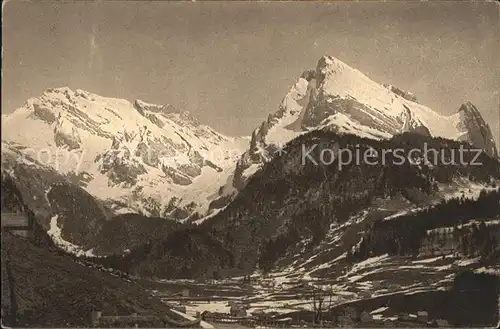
(478, 132)
(405, 94)
(329, 65)
(309, 74)
(340, 98)
(330, 61)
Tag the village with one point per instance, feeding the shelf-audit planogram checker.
(316, 309)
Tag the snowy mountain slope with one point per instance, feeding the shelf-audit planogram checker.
(74, 220)
(139, 157)
(337, 97)
(159, 161)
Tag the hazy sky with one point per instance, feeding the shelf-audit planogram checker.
(230, 64)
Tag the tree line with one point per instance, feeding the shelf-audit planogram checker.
(406, 234)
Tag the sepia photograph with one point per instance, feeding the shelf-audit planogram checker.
(250, 164)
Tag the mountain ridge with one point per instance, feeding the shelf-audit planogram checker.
(340, 98)
(148, 150)
(130, 152)
(160, 162)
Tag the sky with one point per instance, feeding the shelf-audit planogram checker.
(231, 63)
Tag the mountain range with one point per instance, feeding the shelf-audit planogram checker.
(146, 193)
(83, 161)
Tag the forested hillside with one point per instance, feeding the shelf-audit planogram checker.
(288, 203)
(405, 234)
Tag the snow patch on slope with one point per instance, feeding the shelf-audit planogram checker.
(55, 233)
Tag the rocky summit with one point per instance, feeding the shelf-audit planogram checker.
(339, 98)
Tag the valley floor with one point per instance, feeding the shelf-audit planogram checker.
(282, 293)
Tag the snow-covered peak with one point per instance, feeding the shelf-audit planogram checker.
(331, 65)
(338, 97)
(335, 77)
(335, 80)
(138, 156)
